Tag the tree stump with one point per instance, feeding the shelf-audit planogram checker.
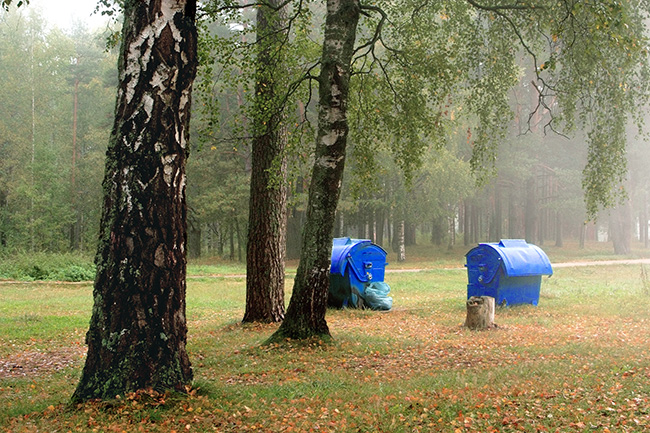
(480, 312)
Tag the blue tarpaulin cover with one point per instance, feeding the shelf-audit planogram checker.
(521, 259)
(509, 271)
(356, 266)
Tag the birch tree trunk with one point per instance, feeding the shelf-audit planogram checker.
(267, 220)
(305, 315)
(138, 329)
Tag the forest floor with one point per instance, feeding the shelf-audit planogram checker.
(579, 361)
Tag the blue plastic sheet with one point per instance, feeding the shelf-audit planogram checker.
(376, 296)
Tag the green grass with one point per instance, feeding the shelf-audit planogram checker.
(577, 362)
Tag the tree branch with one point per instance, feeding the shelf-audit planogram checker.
(213, 11)
(498, 8)
(542, 95)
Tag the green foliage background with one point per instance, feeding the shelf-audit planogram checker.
(442, 96)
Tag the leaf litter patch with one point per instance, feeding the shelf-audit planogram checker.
(36, 363)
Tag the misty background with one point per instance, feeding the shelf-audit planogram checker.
(56, 114)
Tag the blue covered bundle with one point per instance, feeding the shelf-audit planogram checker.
(357, 275)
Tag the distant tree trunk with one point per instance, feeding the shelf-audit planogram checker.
(438, 228)
(379, 221)
(476, 223)
(583, 234)
(559, 242)
(498, 213)
(389, 228)
(410, 232)
(231, 236)
(3, 218)
(74, 227)
(295, 221)
(542, 211)
(530, 220)
(194, 240)
(643, 221)
(218, 231)
(32, 185)
(401, 245)
(452, 232)
(621, 228)
(138, 328)
(394, 244)
(466, 222)
(305, 315)
(296, 215)
(240, 240)
(362, 226)
(365, 225)
(512, 217)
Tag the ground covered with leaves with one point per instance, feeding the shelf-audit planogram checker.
(577, 362)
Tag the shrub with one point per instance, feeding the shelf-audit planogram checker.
(76, 273)
(47, 266)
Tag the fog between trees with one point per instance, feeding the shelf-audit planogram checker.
(51, 163)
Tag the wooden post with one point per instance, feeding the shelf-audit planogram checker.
(480, 312)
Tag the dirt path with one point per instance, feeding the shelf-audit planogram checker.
(554, 265)
(602, 263)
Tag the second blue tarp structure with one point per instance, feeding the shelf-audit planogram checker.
(357, 275)
(509, 271)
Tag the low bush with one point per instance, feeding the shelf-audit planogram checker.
(47, 266)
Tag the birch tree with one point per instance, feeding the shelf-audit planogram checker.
(138, 328)
(306, 312)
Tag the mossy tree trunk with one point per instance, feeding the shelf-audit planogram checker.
(267, 221)
(138, 329)
(305, 315)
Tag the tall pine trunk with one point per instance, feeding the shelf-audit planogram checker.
(138, 328)
(306, 312)
(267, 220)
